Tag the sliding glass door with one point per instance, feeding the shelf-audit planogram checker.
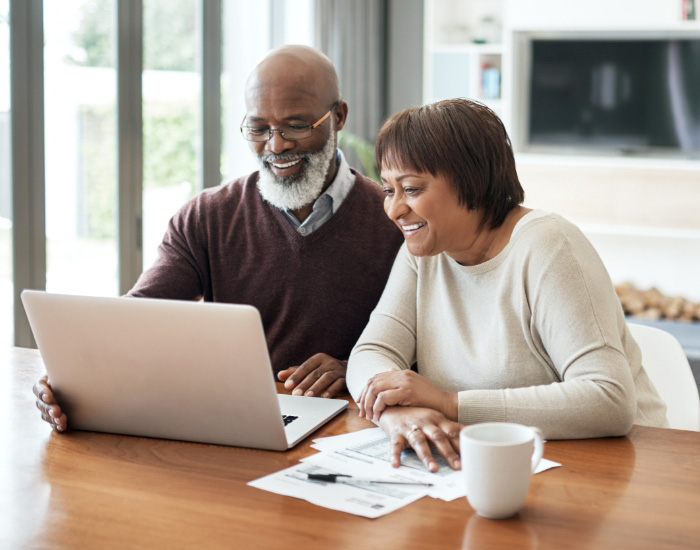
(80, 146)
(6, 286)
(172, 87)
(141, 100)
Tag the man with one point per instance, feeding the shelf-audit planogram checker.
(305, 239)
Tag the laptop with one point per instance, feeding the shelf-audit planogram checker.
(189, 371)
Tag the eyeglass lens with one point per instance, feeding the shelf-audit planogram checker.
(287, 132)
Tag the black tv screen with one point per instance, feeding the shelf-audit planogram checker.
(630, 96)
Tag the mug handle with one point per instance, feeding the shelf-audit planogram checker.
(539, 447)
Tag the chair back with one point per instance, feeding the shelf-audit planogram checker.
(666, 364)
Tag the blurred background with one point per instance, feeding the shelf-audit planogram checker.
(114, 112)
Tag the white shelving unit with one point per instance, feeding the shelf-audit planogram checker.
(469, 70)
(464, 52)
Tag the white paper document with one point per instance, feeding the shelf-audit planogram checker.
(366, 454)
(359, 453)
(370, 500)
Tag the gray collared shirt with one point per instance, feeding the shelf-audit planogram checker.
(330, 200)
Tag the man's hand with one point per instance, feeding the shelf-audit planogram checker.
(418, 427)
(46, 403)
(405, 388)
(319, 376)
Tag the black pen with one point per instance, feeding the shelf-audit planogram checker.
(344, 478)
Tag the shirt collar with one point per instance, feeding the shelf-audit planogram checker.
(341, 184)
(329, 201)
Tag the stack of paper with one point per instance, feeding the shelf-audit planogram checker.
(366, 454)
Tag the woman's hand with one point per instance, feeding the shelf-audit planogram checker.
(46, 403)
(405, 388)
(418, 427)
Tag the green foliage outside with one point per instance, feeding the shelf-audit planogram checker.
(98, 171)
(94, 38)
(169, 34)
(363, 150)
(169, 129)
(170, 144)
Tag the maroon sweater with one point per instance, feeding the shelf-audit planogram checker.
(315, 293)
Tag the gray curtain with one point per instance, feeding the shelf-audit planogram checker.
(353, 34)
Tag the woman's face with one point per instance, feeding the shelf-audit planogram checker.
(427, 210)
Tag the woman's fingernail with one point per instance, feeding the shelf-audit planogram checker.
(309, 393)
(297, 392)
(52, 413)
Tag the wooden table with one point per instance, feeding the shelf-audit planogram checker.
(88, 490)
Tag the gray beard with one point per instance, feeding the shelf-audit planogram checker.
(294, 192)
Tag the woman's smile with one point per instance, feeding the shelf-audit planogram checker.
(410, 229)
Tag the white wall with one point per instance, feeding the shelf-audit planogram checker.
(597, 13)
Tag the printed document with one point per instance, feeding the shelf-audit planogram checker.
(366, 454)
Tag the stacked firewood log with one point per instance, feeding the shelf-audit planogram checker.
(652, 304)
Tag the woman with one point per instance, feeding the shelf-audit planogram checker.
(508, 313)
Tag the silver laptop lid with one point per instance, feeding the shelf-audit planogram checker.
(159, 368)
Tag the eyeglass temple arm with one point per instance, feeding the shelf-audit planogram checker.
(324, 117)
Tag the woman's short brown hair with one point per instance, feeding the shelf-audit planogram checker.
(463, 141)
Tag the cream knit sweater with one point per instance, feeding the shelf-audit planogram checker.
(535, 335)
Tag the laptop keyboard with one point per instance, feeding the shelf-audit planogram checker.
(288, 418)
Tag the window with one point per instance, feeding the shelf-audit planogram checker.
(6, 299)
(80, 145)
(171, 114)
(86, 162)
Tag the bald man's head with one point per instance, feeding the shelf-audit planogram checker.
(294, 89)
(300, 68)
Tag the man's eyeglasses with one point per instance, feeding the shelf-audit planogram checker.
(291, 132)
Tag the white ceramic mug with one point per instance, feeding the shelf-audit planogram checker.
(498, 460)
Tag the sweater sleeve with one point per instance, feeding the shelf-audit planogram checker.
(596, 399)
(389, 339)
(575, 329)
(179, 271)
(571, 327)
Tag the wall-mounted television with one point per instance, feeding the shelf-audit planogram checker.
(616, 95)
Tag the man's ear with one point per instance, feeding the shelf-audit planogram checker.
(341, 114)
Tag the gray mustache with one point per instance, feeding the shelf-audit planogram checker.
(272, 157)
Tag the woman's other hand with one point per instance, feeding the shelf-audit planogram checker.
(46, 403)
(405, 388)
(418, 428)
